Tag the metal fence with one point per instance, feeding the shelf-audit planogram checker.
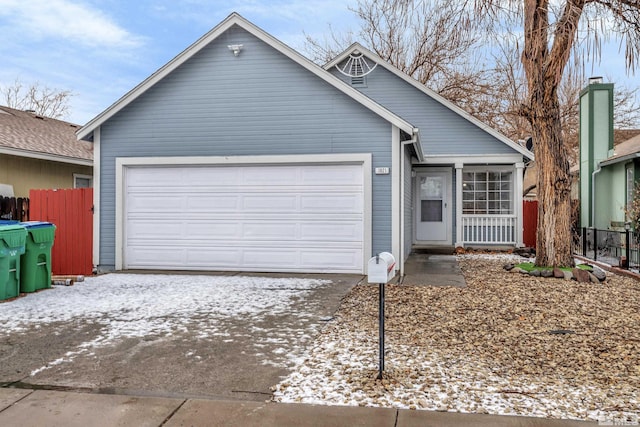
(617, 248)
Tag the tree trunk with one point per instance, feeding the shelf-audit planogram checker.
(554, 187)
(544, 68)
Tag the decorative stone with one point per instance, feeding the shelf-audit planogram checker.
(567, 275)
(547, 272)
(582, 276)
(517, 270)
(508, 266)
(534, 273)
(599, 274)
(593, 278)
(557, 273)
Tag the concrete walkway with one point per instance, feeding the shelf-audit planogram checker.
(432, 270)
(26, 408)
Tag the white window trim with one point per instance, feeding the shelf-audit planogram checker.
(77, 176)
(122, 163)
(488, 169)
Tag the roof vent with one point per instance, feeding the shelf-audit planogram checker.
(597, 80)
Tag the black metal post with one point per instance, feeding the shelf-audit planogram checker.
(595, 244)
(628, 249)
(584, 241)
(381, 331)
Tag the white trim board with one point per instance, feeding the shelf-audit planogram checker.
(122, 163)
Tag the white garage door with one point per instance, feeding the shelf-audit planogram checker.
(298, 218)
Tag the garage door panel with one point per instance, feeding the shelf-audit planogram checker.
(331, 203)
(331, 175)
(217, 202)
(270, 176)
(332, 231)
(250, 218)
(269, 202)
(338, 259)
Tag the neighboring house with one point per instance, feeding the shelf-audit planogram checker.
(241, 154)
(608, 171)
(41, 153)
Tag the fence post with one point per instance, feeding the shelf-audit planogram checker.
(628, 248)
(584, 241)
(595, 244)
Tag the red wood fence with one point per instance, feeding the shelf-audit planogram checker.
(530, 222)
(71, 211)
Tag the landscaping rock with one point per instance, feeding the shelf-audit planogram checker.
(518, 270)
(546, 272)
(567, 275)
(593, 278)
(600, 274)
(582, 276)
(508, 266)
(557, 273)
(534, 273)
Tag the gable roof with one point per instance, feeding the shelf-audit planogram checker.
(624, 151)
(435, 96)
(235, 19)
(26, 134)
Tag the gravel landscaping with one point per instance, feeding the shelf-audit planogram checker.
(508, 343)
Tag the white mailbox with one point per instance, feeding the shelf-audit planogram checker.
(381, 268)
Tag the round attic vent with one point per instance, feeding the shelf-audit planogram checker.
(356, 65)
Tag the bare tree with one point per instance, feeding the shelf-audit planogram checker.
(44, 100)
(551, 35)
(432, 41)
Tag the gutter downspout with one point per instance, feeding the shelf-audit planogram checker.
(593, 195)
(415, 141)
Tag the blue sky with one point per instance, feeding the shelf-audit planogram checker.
(100, 49)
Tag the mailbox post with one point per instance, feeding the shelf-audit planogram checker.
(380, 270)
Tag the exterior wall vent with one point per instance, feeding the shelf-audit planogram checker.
(359, 81)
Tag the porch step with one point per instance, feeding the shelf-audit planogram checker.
(436, 250)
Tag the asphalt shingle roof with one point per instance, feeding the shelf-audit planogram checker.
(30, 132)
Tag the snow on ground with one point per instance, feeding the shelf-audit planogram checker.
(142, 305)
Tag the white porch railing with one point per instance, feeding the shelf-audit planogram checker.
(489, 229)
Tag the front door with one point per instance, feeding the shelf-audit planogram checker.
(432, 218)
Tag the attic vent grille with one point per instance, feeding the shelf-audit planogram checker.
(356, 65)
(358, 81)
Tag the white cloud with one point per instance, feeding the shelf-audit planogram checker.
(65, 19)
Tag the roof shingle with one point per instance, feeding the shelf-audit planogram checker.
(31, 133)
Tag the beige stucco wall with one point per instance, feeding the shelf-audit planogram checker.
(26, 174)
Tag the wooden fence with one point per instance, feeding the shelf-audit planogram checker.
(71, 211)
(529, 222)
(14, 208)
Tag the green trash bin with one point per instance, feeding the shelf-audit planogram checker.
(12, 245)
(35, 265)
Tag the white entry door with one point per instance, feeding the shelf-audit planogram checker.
(432, 213)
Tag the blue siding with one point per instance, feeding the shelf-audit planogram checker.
(442, 131)
(257, 103)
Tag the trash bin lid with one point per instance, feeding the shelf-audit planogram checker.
(35, 224)
(13, 236)
(40, 231)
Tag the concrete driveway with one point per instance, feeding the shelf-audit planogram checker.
(225, 336)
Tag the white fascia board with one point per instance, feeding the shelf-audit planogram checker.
(489, 159)
(439, 98)
(620, 159)
(45, 156)
(236, 19)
